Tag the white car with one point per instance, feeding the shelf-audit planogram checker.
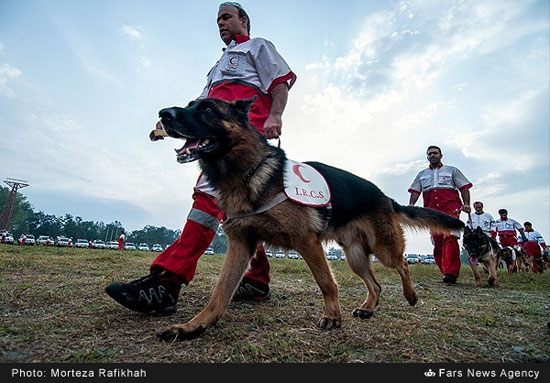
(293, 255)
(342, 257)
(428, 260)
(82, 243)
(332, 257)
(62, 242)
(8, 237)
(143, 247)
(412, 258)
(112, 245)
(280, 254)
(129, 246)
(98, 244)
(156, 247)
(44, 240)
(269, 254)
(29, 239)
(209, 251)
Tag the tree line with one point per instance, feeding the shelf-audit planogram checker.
(25, 220)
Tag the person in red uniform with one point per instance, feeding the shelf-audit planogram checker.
(533, 244)
(440, 186)
(121, 239)
(505, 228)
(247, 68)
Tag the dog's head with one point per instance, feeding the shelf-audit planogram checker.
(475, 242)
(208, 126)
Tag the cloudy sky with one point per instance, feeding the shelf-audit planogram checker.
(81, 83)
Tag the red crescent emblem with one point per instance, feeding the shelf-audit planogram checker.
(296, 170)
(233, 60)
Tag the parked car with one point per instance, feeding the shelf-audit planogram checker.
(129, 246)
(62, 242)
(428, 260)
(82, 243)
(29, 239)
(143, 247)
(280, 254)
(98, 244)
(269, 254)
(412, 258)
(209, 251)
(44, 240)
(342, 257)
(156, 247)
(112, 245)
(293, 255)
(8, 237)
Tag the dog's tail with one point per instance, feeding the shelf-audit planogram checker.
(425, 218)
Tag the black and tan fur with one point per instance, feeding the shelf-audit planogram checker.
(482, 248)
(516, 259)
(247, 172)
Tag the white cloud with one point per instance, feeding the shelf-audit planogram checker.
(91, 63)
(132, 33)
(7, 72)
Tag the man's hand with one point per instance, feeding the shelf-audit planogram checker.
(466, 208)
(273, 126)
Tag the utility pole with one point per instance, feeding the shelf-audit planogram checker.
(7, 211)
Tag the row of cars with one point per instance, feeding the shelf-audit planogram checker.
(424, 259)
(62, 241)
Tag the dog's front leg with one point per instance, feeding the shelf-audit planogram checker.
(477, 277)
(234, 266)
(314, 255)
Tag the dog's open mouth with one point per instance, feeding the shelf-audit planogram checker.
(191, 150)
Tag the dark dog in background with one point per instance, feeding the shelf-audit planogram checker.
(482, 248)
(516, 259)
(247, 174)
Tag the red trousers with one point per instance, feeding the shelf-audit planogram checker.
(508, 240)
(533, 250)
(181, 257)
(120, 244)
(447, 254)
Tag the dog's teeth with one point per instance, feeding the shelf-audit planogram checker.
(187, 152)
(206, 142)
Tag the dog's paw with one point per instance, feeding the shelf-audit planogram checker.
(181, 332)
(327, 323)
(362, 313)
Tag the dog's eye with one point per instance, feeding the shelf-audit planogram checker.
(208, 110)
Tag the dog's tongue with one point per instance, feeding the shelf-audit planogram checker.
(473, 260)
(190, 143)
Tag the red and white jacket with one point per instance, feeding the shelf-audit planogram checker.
(439, 187)
(247, 68)
(534, 237)
(507, 228)
(483, 220)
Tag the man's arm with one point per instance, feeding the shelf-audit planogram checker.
(413, 199)
(274, 122)
(465, 194)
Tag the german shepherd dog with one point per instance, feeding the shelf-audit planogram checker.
(482, 248)
(516, 259)
(247, 173)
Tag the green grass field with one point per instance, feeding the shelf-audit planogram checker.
(53, 309)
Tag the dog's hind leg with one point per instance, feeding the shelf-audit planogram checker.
(234, 266)
(357, 257)
(312, 251)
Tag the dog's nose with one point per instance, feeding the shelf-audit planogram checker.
(167, 114)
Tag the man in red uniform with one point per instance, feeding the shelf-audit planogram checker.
(440, 185)
(533, 244)
(121, 239)
(506, 228)
(247, 68)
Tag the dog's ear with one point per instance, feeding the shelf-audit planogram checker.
(479, 230)
(467, 231)
(243, 106)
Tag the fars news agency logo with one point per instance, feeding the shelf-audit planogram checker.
(429, 373)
